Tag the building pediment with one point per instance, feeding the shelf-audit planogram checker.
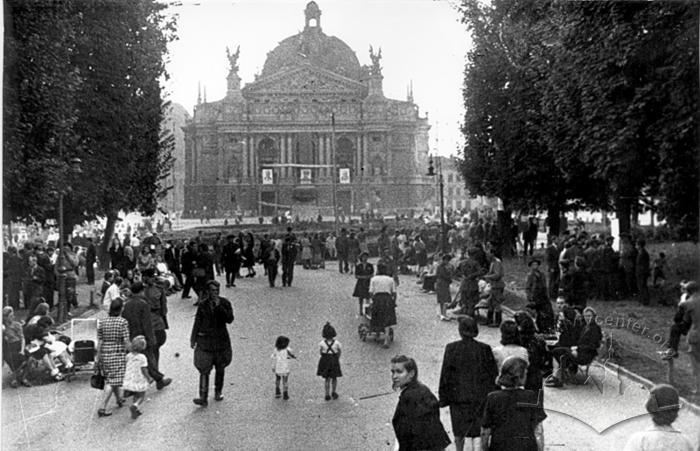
(305, 81)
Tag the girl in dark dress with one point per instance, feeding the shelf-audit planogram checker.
(512, 416)
(363, 273)
(329, 363)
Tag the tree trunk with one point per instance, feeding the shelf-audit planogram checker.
(106, 239)
(623, 209)
(553, 222)
(634, 210)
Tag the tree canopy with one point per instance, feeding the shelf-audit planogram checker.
(83, 79)
(583, 104)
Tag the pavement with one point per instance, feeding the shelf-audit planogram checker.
(597, 416)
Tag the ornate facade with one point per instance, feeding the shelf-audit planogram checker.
(271, 145)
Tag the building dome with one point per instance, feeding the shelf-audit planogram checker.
(313, 46)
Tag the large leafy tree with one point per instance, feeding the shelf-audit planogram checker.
(90, 72)
(604, 96)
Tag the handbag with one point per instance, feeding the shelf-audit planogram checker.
(97, 380)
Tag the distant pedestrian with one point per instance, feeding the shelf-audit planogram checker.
(136, 377)
(271, 263)
(663, 405)
(444, 275)
(329, 363)
(280, 365)
(289, 255)
(363, 273)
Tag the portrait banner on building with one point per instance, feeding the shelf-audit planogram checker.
(267, 178)
(344, 175)
(305, 177)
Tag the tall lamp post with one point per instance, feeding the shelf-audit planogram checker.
(431, 173)
(62, 298)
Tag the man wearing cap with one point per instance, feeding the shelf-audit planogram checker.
(211, 342)
(663, 405)
(158, 304)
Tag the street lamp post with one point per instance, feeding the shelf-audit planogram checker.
(431, 172)
(62, 298)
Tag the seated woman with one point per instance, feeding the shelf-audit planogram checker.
(582, 353)
(38, 336)
(428, 275)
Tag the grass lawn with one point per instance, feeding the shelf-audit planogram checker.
(634, 333)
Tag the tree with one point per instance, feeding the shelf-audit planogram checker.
(83, 80)
(40, 86)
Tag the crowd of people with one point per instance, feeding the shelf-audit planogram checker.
(495, 395)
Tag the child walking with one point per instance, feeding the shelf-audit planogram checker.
(329, 363)
(280, 364)
(136, 377)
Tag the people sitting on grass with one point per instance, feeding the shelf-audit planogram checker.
(680, 326)
(583, 353)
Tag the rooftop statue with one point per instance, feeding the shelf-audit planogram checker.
(375, 57)
(233, 58)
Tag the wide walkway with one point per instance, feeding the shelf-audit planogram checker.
(598, 416)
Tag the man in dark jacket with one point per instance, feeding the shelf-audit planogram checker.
(211, 342)
(231, 260)
(158, 302)
(468, 375)
(137, 313)
(289, 255)
(342, 248)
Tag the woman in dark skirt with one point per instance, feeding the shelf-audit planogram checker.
(363, 273)
(383, 292)
(329, 363)
(513, 416)
(468, 375)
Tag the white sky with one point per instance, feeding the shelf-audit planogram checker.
(421, 40)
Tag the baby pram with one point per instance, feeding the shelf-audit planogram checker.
(83, 346)
(365, 328)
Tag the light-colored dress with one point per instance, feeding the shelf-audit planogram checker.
(280, 361)
(658, 438)
(501, 353)
(134, 380)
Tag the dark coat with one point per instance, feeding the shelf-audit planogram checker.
(209, 331)
(137, 313)
(231, 256)
(589, 341)
(468, 373)
(417, 420)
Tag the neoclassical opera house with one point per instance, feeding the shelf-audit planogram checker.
(271, 145)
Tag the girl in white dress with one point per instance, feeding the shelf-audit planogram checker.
(136, 377)
(280, 365)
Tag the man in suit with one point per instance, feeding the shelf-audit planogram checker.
(289, 255)
(231, 260)
(137, 313)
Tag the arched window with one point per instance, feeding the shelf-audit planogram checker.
(268, 153)
(345, 153)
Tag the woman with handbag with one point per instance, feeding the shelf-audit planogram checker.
(112, 343)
